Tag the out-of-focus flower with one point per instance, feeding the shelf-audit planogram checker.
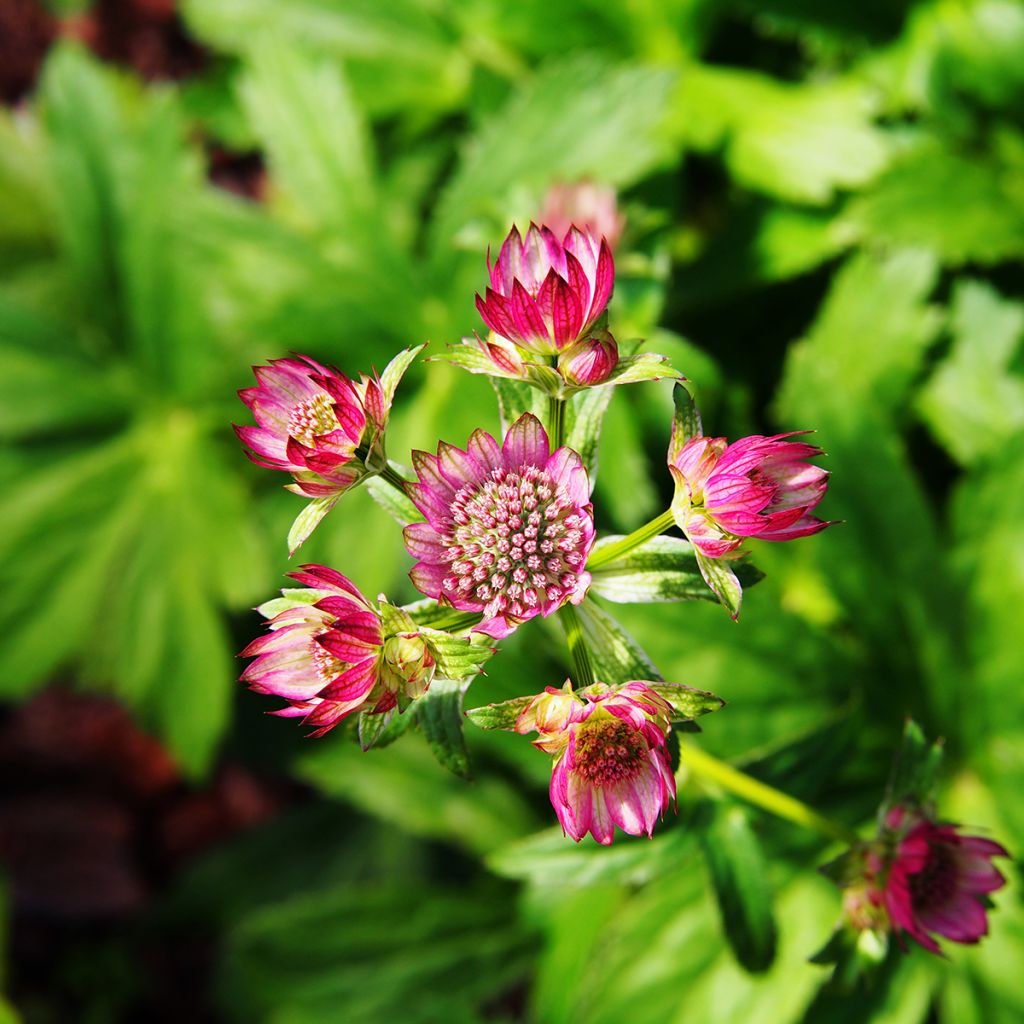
(611, 760)
(315, 423)
(545, 294)
(932, 880)
(589, 206)
(590, 361)
(756, 487)
(330, 658)
(508, 528)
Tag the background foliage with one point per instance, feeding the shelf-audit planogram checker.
(825, 208)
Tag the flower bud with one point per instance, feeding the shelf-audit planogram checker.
(590, 361)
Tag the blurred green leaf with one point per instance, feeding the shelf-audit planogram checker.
(973, 402)
(439, 715)
(739, 869)
(915, 769)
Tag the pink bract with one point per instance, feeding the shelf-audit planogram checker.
(508, 528)
(329, 659)
(756, 487)
(937, 880)
(546, 294)
(314, 423)
(611, 761)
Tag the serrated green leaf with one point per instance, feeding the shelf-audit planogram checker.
(687, 702)
(686, 422)
(395, 620)
(915, 769)
(502, 715)
(616, 656)
(457, 657)
(439, 715)
(739, 875)
(376, 731)
(397, 504)
(644, 367)
(662, 569)
(308, 520)
(392, 375)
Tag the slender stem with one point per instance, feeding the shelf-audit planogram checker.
(556, 422)
(780, 804)
(610, 552)
(394, 478)
(582, 669)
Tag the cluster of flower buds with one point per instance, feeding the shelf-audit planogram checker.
(502, 531)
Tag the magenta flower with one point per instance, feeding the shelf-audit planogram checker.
(589, 206)
(755, 487)
(315, 423)
(329, 658)
(611, 761)
(936, 879)
(546, 294)
(508, 527)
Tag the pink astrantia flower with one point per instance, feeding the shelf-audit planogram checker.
(936, 879)
(591, 207)
(756, 487)
(545, 294)
(329, 659)
(315, 423)
(508, 528)
(611, 761)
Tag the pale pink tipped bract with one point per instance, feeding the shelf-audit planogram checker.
(612, 766)
(330, 659)
(508, 528)
(546, 292)
(937, 879)
(756, 487)
(314, 423)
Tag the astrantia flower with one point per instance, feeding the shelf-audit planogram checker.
(934, 881)
(315, 423)
(611, 761)
(756, 487)
(591, 207)
(330, 658)
(546, 294)
(508, 528)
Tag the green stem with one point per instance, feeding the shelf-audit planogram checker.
(394, 478)
(780, 804)
(556, 422)
(583, 672)
(610, 552)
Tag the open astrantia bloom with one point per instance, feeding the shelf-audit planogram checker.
(756, 487)
(330, 658)
(611, 761)
(546, 293)
(508, 528)
(936, 880)
(315, 423)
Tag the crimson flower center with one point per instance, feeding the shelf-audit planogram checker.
(936, 882)
(607, 752)
(515, 543)
(311, 417)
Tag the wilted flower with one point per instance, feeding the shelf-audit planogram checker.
(611, 761)
(508, 527)
(315, 423)
(755, 487)
(591, 207)
(329, 658)
(932, 880)
(545, 294)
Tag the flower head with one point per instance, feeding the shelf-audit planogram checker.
(508, 528)
(755, 487)
(611, 761)
(589, 206)
(545, 294)
(330, 658)
(932, 880)
(315, 423)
